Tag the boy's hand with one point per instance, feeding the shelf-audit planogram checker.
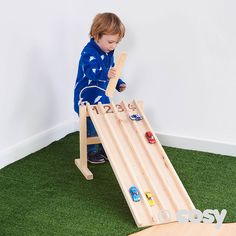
(122, 87)
(111, 73)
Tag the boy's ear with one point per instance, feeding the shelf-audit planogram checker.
(96, 37)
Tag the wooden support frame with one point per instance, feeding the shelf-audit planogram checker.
(81, 162)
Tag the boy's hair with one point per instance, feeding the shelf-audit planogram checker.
(106, 23)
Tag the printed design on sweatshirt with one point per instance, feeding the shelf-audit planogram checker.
(92, 99)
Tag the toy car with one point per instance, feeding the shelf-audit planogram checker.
(150, 198)
(134, 193)
(150, 137)
(136, 117)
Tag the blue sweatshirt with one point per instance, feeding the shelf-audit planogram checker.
(92, 80)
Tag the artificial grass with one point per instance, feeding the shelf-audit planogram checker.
(45, 193)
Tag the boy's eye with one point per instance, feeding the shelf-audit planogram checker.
(112, 42)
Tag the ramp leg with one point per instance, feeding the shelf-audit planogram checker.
(82, 163)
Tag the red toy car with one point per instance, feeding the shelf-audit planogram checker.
(150, 137)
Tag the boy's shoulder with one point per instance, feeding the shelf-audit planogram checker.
(89, 54)
(89, 51)
(91, 47)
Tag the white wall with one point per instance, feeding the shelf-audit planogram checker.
(182, 58)
(181, 63)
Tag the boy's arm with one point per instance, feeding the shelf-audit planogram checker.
(92, 68)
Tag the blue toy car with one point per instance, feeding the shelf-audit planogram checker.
(136, 117)
(134, 193)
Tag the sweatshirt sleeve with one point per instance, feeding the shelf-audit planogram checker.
(92, 68)
(120, 81)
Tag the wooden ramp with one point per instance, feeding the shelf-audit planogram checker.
(139, 163)
(201, 229)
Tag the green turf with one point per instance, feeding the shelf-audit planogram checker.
(45, 193)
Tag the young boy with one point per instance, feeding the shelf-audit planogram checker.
(96, 67)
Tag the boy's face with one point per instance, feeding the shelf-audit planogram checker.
(108, 42)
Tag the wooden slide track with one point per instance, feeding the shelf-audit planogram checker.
(136, 162)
